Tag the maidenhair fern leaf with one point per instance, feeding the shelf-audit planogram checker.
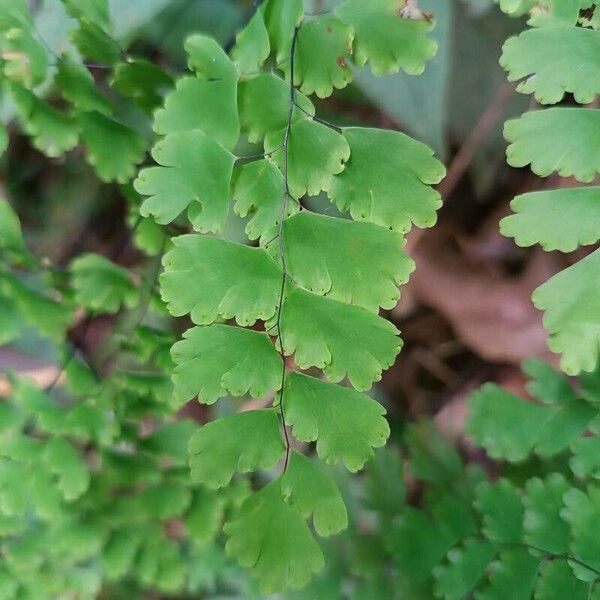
(555, 61)
(306, 487)
(241, 442)
(101, 285)
(315, 154)
(509, 427)
(195, 170)
(94, 43)
(338, 338)
(546, 384)
(502, 511)
(258, 192)
(281, 18)
(272, 538)
(205, 105)
(581, 512)
(542, 523)
(360, 263)
(556, 13)
(572, 313)
(345, 424)
(209, 278)
(387, 180)
(556, 582)
(216, 360)
(53, 132)
(264, 103)
(119, 553)
(113, 149)
(560, 219)
(77, 86)
(164, 500)
(47, 315)
(585, 461)
(322, 56)
(63, 460)
(142, 81)
(95, 11)
(385, 39)
(418, 544)
(24, 58)
(562, 140)
(513, 576)
(11, 236)
(252, 46)
(465, 568)
(503, 423)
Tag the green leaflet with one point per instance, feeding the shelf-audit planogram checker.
(510, 428)
(210, 278)
(311, 491)
(513, 576)
(433, 459)
(72, 472)
(358, 263)
(561, 219)
(556, 581)
(281, 17)
(339, 338)
(466, 566)
(321, 59)
(271, 537)
(195, 174)
(581, 511)
(554, 61)
(572, 313)
(562, 140)
(263, 104)
(385, 39)
(241, 442)
(387, 179)
(258, 193)
(26, 60)
(141, 81)
(52, 131)
(316, 153)
(47, 315)
(252, 46)
(94, 43)
(326, 413)
(112, 149)
(542, 524)
(77, 86)
(119, 553)
(95, 11)
(502, 511)
(216, 360)
(164, 500)
(100, 285)
(11, 236)
(418, 543)
(547, 385)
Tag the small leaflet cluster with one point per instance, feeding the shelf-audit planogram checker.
(560, 55)
(452, 531)
(306, 296)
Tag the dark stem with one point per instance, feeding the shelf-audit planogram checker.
(284, 274)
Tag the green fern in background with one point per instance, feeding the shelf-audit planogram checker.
(557, 58)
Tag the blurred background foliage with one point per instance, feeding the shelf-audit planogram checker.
(466, 316)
